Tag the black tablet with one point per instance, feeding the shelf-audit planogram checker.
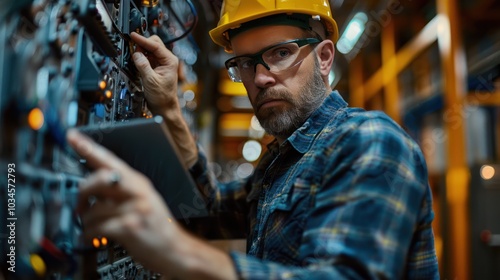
(147, 146)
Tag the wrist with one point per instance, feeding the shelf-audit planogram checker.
(168, 110)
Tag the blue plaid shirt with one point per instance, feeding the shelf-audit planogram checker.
(346, 196)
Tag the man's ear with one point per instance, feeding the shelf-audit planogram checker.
(326, 52)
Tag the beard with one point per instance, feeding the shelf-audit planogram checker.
(281, 122)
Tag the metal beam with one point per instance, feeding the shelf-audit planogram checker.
(483, 98)
(356, 95)
(391, 87)
(401, 60)
(457, 174)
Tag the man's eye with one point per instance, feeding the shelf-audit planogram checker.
(283, 53)
(279, 53)
(247, 63)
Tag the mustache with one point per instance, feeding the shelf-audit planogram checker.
(272, 93)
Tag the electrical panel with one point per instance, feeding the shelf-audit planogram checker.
(66, 63)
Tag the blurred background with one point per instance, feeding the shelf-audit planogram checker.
(432, 65)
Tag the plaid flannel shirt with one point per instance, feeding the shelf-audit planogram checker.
(345, 196)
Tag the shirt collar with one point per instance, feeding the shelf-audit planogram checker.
(301, 140)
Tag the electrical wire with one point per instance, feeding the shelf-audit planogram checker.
(179, 21)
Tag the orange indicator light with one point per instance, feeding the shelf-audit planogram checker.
(38, 265)
(36, 119)
(108, 94)
(96, 242)
(102, 84)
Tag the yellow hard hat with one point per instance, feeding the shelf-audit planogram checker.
(234, 13)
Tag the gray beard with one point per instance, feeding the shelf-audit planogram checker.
(282, 122)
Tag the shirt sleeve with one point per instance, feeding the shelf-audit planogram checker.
(226, 203)
(370, 210)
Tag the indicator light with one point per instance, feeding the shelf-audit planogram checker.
(108, 94)
(38, 265)
(102, 84)
(96, 242)
(36, 119)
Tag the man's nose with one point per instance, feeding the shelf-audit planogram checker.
(263, 77)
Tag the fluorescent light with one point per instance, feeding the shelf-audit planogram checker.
(352, 33)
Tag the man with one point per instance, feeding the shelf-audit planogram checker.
(341, 194)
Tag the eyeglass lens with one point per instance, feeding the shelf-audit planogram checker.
(274, 58)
